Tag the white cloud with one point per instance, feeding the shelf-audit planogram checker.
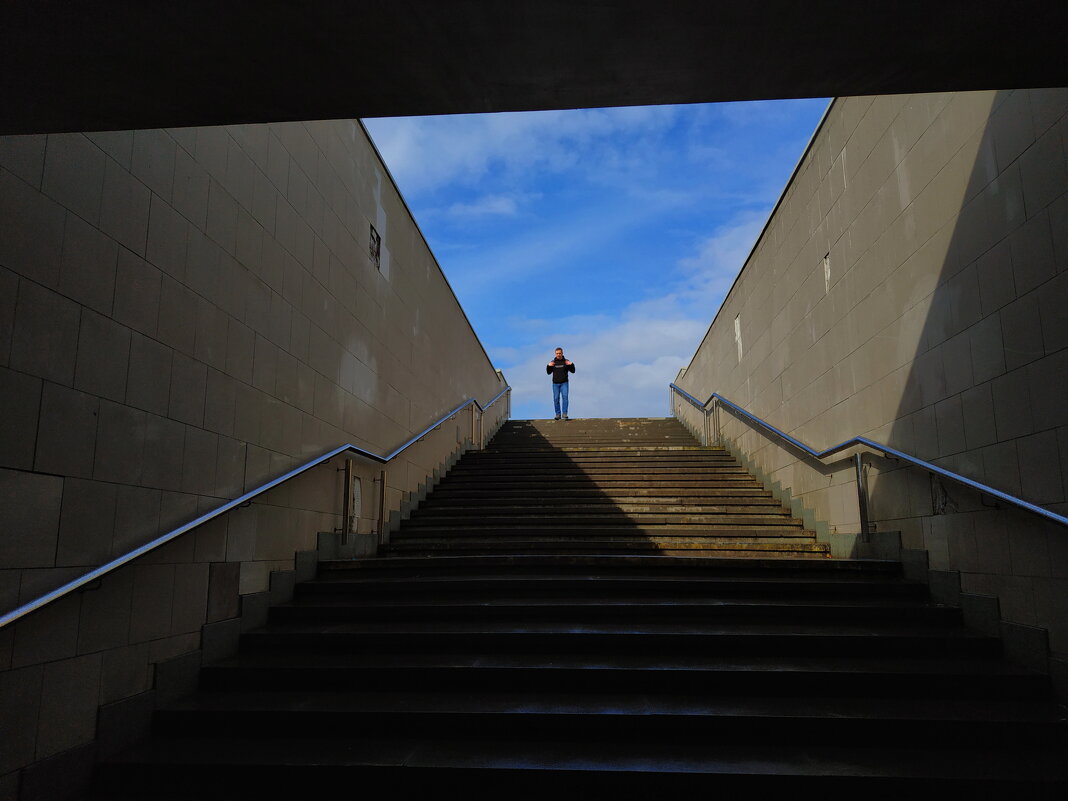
(487, 205)
(624, 363)
(491, 205)
(427, 153)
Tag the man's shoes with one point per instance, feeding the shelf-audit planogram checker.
(557, 417)
(565, 416)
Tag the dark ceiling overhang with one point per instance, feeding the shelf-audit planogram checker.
(92, 66)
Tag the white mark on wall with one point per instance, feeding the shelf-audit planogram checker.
(904, 188)
(826, 273)
(738, 335)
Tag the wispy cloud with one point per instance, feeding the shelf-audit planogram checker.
(492, 205)
(425, 154)
(626, 361)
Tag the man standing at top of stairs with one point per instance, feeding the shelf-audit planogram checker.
(558, 368)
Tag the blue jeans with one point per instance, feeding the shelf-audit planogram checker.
(559, 391)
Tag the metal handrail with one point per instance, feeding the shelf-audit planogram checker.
(886, 450)
(130, 556)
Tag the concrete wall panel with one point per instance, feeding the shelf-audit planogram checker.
(941, 330)
(185, 314)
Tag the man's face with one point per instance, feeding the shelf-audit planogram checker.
(559, 353)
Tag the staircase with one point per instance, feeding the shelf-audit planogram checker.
(601, 487)
(596, 607)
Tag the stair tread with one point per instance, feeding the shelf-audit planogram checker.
(505, 579)
(617, 561)
(564, 755)
(519, 602)
(629, 661)
(634, 704)
(644, 629)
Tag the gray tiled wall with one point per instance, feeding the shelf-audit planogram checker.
(185, 314)
(941, 330)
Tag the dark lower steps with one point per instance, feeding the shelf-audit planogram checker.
(342, 584)
(570, 564)
(568, 530)
(706, 547)
(473, 673)
(566, 768)
(541, 637)
(876, 613)
(714, 720)
(566, 618)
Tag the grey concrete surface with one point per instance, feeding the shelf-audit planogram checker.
(910, 287)
(185, 314)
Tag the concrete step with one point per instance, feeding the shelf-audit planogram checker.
(489, 585)
(583, 481)
(569, 515)
(495, 506)
(715, 719)
(737, 528)
(597, 471)
(640, 494)
(569, 564)
(492, 768)
(606, 642)
(875, 613)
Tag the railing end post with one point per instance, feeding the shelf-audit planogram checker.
(862, 493)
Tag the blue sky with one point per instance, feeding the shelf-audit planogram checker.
(613, 233)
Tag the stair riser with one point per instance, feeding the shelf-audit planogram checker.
(492, 532)
(596, 471)
(490, 590)
(606, 645)
(720, 730)
(577, 480)
(571, 565)
(606, 489)
(584, 613)
(633, 460)
(336, 783)
(600, 492)
(488, 680)
(461, 508)
(489, 516)
(595, 504)
(592, 549)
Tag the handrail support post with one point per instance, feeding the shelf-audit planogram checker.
(715, 420)
(381, 505)
(347, 526)
(862, 493)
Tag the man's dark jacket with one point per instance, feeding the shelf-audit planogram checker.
(559, 370)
